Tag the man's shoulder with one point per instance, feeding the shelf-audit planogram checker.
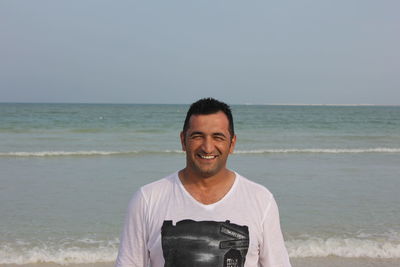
(256, 189)
(153, 192)
(160, 185)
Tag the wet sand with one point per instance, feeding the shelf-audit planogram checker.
(344, 262)
(296, 262)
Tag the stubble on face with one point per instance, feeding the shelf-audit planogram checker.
(207, 143)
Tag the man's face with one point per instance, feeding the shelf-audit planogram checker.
(207, 143)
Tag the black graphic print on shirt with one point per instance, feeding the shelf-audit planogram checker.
(204, 243)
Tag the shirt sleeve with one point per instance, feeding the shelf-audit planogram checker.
(133, 251)
(273, 252)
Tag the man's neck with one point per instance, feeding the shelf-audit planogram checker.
(207, 190)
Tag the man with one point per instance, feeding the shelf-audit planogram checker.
(205, 214)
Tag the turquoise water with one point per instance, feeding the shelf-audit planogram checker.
(69, 170)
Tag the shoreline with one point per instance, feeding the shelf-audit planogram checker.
(334, 261)
(330, 261)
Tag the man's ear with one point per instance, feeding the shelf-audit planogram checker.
(182, 136)
(233, 143)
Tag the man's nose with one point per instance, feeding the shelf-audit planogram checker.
(208, 145)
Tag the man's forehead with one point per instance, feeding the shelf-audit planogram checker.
(215, 120)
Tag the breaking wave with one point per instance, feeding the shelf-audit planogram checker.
(343, 247)
(82, 251)
(89, 153)
(90, 251)
(321, 150)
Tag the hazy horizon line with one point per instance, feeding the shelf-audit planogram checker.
(242, 104)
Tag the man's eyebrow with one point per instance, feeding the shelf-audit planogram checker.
(214, 134)
(219, 134)
(196, 133)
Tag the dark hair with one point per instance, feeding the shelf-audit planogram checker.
(208, 106)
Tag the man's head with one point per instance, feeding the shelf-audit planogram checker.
(208, 137)
(208, 106)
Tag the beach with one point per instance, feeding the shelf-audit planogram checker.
(305, 262)
(68, 172)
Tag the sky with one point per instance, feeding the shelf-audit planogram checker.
(241, 52)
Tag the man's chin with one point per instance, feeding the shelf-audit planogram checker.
(203, 170)
(207, 173)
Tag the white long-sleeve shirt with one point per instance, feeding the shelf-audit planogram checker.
(166, 226)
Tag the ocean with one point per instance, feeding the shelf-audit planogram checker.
(67, 172)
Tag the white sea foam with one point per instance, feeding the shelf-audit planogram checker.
(81, 153)
(106, 251)
(88, 153)
(83, 251)
(62, 153)
(321, 150)
(59, 256)
(343, 247)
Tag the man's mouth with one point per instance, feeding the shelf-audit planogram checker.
(207, 156)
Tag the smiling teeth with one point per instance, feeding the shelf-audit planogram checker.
(207, 157)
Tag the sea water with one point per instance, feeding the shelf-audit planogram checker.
(67, 172)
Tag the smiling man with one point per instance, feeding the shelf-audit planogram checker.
(205, 214)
